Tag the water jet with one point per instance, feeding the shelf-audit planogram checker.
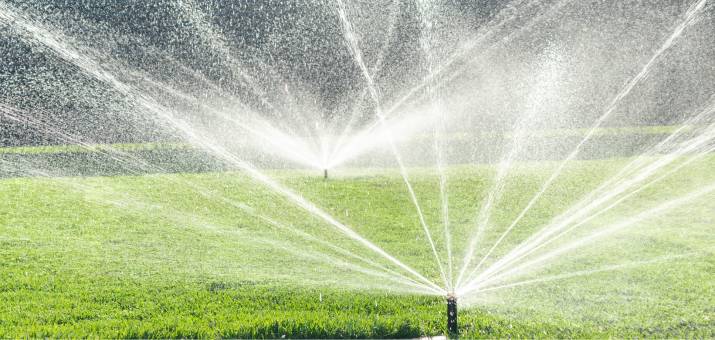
(388, 108)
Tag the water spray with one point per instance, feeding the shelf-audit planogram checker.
(452, 327)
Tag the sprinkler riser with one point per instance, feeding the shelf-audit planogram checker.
(325, 173)
(452, 326)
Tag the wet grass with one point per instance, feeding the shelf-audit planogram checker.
(129, 147)
(124, 147)
(149, 257)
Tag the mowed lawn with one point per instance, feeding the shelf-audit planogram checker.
(219, 255)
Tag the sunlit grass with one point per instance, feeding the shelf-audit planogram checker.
(149, 256)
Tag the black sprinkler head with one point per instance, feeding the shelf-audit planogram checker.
(452, 327)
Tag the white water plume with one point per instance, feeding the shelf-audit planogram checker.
(126, 201)
(544, 92)
(427, 9)
(491, 275)
(506, 122)
(621, 187)
(55, 43)
(352, 42)
(688, 20)
(580, 273)
(593, 205)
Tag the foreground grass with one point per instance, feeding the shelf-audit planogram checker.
(139, 257)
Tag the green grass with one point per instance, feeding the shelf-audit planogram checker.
(148, 256)
(129, 147)
(125, 147)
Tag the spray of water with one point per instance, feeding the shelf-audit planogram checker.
(55, 43)
(243, 104)
(688, 20)
(352, 42)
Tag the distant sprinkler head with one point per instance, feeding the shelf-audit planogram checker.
(452, 327)
(325, 173)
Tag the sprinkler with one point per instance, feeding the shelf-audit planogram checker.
(452, 315)
(325, 174)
